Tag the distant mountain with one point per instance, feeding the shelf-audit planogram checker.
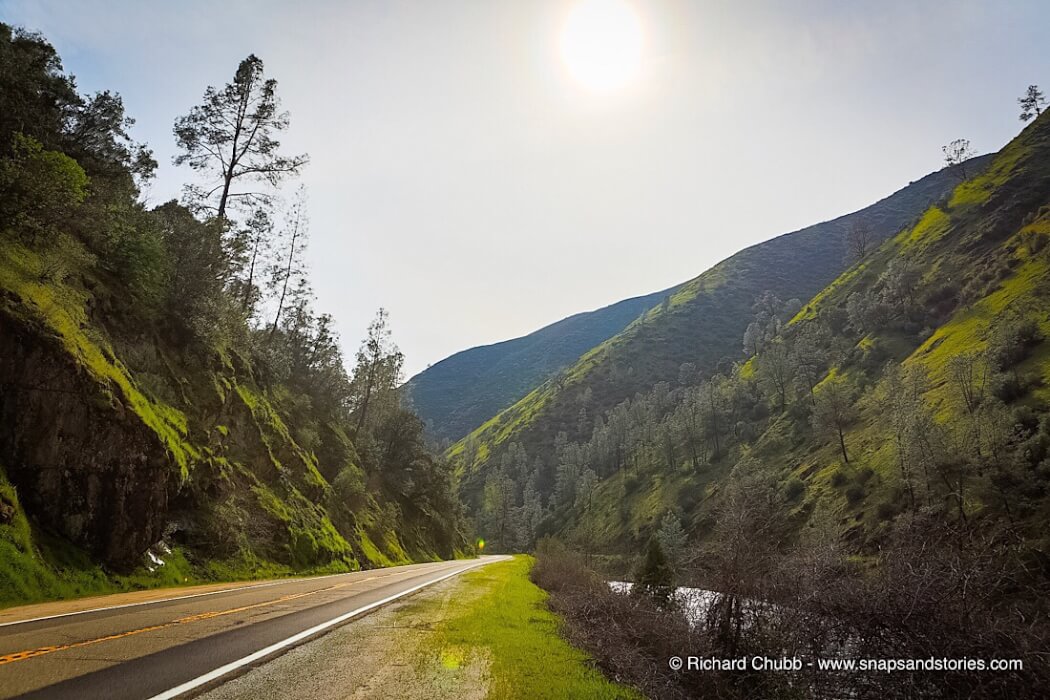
(459, 393)
(700, 325)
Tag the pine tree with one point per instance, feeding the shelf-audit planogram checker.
(672, 539)
(1032, 103)
(654, 577)
(232, 136)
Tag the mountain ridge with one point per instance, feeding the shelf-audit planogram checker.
(456, 394)
(700, 324)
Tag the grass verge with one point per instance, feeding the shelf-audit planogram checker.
(504, 617)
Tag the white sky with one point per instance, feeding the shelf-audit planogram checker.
(462, 179)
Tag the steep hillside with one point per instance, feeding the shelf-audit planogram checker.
(459, 393)
(98, 468)
(154, 429)
(701, 324)
(912, 386)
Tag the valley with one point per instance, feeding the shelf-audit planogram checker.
(827, 450)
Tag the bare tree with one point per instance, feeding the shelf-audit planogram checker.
(232, 136)
(251, 249)
(1032, 103)
(833, 410)
(956, 154)
(294, 235)
(969, 375)
(775, 368)
(860, 239)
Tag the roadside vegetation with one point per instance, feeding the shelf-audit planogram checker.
(812, 604)
(505, 620)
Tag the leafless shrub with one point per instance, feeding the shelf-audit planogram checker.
(934, 591)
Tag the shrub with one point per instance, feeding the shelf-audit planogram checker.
(348, 489)
(794, 488)
(63, 257)
(39, 189)
(1012, 341)
(1008, 387)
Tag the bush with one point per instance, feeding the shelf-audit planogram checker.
(967, 591)
(794, 488)
(63, 257)
(39, 189)
(855, 494)
(1008, 387)
(1012, 341)
(348, 488)
(141, 262)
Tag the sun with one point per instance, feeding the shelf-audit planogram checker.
(601, 44)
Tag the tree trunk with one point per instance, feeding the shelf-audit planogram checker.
(251, 278)
(227, 180)
(287, 273)
(368, 396)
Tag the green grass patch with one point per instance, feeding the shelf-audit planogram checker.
(504, 618)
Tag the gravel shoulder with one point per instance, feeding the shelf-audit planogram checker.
(390, 653)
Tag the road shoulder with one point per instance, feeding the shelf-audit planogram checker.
(486, 633)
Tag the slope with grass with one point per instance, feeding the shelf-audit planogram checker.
(701, 323)
(211, 480)
(948, 410)
(459, 393)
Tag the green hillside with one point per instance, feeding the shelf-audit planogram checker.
(913, 385)
(461, 392)
(696, 328)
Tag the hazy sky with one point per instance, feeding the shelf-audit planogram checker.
(462, 178)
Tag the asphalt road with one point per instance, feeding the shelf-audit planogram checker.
(174, 647)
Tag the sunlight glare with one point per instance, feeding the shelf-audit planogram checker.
(601, 44)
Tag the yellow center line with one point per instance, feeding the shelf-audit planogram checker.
(41, 651)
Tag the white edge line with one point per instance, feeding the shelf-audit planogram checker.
(284, 643)
(191, 595)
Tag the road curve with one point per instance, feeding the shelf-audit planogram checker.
(178, 646)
